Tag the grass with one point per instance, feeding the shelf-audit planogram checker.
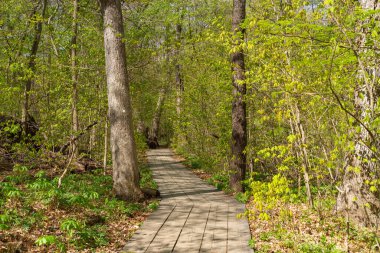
(37, 216)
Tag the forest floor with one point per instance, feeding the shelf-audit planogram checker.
(80, 216)
(84, 216)
(290, 225)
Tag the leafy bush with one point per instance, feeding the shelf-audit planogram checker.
(267, 196)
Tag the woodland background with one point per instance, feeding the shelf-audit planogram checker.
(312, 117)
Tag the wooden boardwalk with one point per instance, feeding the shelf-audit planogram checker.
(192, 217)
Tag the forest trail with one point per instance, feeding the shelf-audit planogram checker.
(192, 217)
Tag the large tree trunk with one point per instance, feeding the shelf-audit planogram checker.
(74, 73)
(25, 116)
(124, 158)
(239, 120)
(357, 198)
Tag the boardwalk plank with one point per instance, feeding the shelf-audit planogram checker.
(193, 216)
(219, 240)
(238, 232)
(206, 244)
(192, 233)
(144, 236)
(167, 236)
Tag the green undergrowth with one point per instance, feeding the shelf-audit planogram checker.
(281, 220)
(146, 178)
(81, 214)
(195, 162)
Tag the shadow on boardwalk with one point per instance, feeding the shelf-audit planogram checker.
(193, 216)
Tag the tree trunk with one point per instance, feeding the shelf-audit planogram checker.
(301, 152)
(123, 148)
(105, 145)
(178, 74)
(356, 197)
(74, 74)
(239, 120)
(153, 134)
(25, 116)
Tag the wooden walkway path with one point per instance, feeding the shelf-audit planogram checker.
(192, 217)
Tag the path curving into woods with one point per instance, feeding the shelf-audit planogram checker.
(193, 216)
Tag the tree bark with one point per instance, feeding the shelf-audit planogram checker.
(25, 116)
(122, 142)
(301, 152)
(74, 74)
(105, 145)
(154, 131)
(178, 74)
(239, 119)
(356, 198)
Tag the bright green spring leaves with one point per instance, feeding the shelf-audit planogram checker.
(269, 196)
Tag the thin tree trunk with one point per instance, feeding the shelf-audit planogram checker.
(74, 74)
(25, 116)
(301, 143)
(298, 156)
(105, 145)
(124, 157)
(92, 142)
(178, 74)
(239, 120)
(141, 128)
(154, 131)
(362, 167)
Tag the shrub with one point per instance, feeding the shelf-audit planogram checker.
(266, 196)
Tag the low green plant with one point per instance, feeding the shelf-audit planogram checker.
(220, 180)
(288, 243)
(84, 236)
(308, 247)
(70, 226)
(92, 237)
(252, 243)
(46, 240)
(49, 240)
(20, 174)
(146, 178)
(265, 236)
(91, 194)
(154, 205)
(9, 190)
(194, 162)
(242, 197)
(131, 208)
(5, 220)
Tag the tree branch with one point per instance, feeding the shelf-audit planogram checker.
(72, 140)
(371, 134)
